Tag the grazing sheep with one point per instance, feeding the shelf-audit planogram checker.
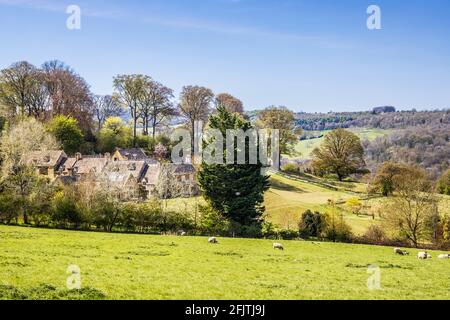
(212, 240)
(444, 256)
(183, 234)
(401, 252)
(278, 246)
(423, 255)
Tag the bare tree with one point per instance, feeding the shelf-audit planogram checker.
(129, 90)
(104, 108)
(69, 93)
(409, 211)
(230, 103)
(156, 105)
(195, 105)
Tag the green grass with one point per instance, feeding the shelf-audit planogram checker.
(287, 199)
(33, 265)
(305, 147)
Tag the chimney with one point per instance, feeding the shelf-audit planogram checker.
(108, 156)
(78, 156)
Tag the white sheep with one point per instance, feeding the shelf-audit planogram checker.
(444, 256)
(401, 252)
(278, 246)
(183, 234)
(423, 255)
(212, 240)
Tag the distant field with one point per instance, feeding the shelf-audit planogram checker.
(304, 148)
(33, 264)
(287, 199)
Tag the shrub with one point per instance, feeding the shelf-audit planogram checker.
(269, 230)
(66, 210)
(336, 229)
(288, 234)
(212, 222)
(291, 168)
(375, 235)
(444, 183)
(311, 224)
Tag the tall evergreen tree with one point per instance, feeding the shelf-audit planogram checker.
(234, 190)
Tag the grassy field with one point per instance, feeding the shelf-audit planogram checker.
(33, 264)
(287, 199)
(305, 147)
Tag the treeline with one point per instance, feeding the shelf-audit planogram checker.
(426, 146)
(393, 120)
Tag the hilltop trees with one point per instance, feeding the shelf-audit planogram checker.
(128, 92)
(104, 108)
(195, 105)
(232, 104)
(17, 84)
(235, 190)
(55, 89)
(156, 105)
(284, 120)
(69, 93)
(341, 153)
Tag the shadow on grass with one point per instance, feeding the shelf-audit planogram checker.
(49, 292)
(278, 185)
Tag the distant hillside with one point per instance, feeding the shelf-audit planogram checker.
(383, 120)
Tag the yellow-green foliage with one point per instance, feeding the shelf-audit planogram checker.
(118, 266)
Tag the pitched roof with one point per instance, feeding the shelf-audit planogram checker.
(133, 154)
(152, 174)
(181, 168)
(135, 168)
(49, 158)
(90, 165)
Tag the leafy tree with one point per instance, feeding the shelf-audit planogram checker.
(195, 105)
(114, 134)
(69, 93)
(230, 103)
(18, 176)
(444, 183)
(235, 190)
(129, 90)
(104, 108)
(388, 175)
(156, 105)
(283, 120)
(341, 153)
(16, 87)
(67, 132)
(355, 205)
(414, 204)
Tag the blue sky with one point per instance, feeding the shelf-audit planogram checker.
(309, 55)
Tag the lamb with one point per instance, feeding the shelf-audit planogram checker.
(401, 252)
(278, 246)
(213, 240)
(423, 255)
(444, 256)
